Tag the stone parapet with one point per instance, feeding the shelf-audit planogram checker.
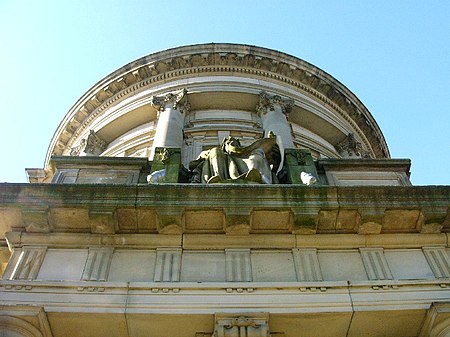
(357, 172)
(98, 170)
(188, 208)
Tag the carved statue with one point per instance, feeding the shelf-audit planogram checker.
(233, 163)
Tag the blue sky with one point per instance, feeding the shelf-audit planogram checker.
(394, 55)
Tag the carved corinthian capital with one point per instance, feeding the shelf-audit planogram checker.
(268, 102)
(350, 147)
(94, 144)
(178, 100)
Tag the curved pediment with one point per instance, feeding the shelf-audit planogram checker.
(221, 77)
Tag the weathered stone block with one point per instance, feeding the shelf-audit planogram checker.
(305, 223)
(147, 220)
(271, 220)
(237, 220)
(401, 220)
(36, 219)
(204, 220)
(170, 221)
(170, 160)
(126, 219)
(298, 161)
(342, 265)
(10, 218)
(132, 220)
(369, 228)
(347, 220)
(102, 221)
(69, 219)
(273, 266)
(132, 265)
(327, 220)
(61, 264)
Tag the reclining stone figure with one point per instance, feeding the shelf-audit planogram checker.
(233, 163)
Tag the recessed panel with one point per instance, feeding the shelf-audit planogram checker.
(132, 265)
(273, 266)
(342, 266)
(203, 266)
(63, 265)
(408, 264)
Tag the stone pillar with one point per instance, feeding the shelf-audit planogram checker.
(169, 130)
(273, 111)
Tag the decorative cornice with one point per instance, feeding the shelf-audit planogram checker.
(236, 59)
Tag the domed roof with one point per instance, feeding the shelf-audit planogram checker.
(222, 80)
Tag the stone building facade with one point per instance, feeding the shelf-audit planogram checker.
(143, 223)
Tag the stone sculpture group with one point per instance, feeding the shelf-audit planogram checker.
(233, 163)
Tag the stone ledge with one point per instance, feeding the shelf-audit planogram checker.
(187, 208)
(395, 165)
(83, 240)
(156, 297)
(223, 241)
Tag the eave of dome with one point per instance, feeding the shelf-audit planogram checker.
(245, 60)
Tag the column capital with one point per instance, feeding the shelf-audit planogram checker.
(94, 144)
(268, 102)
(350, 147)
(177, 100)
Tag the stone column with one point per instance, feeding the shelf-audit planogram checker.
(169, 130)
(273, 111)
